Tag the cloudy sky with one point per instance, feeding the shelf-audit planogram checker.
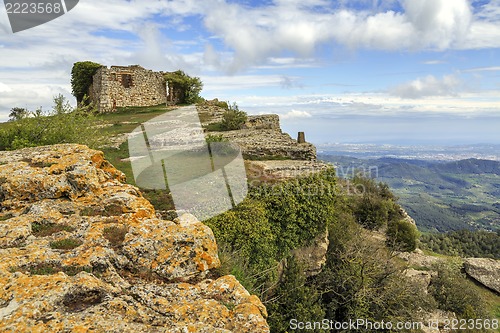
(383, 71)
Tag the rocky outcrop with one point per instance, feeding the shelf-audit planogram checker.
(484, 271)
(421, 279)
(313, 257)
(82, 251)
(264, 121)
(269, 171)
(418, 259)
(269, 145)
(260, 138)
(437, 321)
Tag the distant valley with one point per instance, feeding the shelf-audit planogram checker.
(441, 195)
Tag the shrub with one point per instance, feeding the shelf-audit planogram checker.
(295, 299)
(299, 209)
(189, 87)
(81, 78)
(402, 236)
(66, 244)
(61, 125)
(371, 211)
(361, 279)
(233, 119)
(47, 229)
(215, 138)
(115, 235)
(18, 114)
(455, 293)
(246, 230)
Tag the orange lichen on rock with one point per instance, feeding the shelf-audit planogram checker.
(80, 251)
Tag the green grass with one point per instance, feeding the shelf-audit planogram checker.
(215, 127)
(66, 244)
(115, 235)
(116, 157)
(47, 229)
(110, 210)
(6, 217)
(50, 269)
(125, 120)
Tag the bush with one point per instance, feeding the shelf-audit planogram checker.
(81, 78)
(66, 244)
(246, 230)
(62, 125)
(402, 236)
(298, 209)
(48, 229)
(233, 119)
(294, 299)
(115, 235)
(18, 114)
(361, 279)
(189, 87)
(376, 207)
(455, 293)
(215, 138)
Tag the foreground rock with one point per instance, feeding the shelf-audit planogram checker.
(81, 251)
(484, 271)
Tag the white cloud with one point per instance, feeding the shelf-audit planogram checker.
(483, 69)
(280, 34)
(428, 86)
(294, 114)
(434, 62)
(256, 34)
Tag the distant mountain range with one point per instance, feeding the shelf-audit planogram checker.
(416, 152)
(440, 196)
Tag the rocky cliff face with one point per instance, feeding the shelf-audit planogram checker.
(82, 251)
(484, 271)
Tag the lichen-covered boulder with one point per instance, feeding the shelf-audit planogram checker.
(81, 251)
(485, 271)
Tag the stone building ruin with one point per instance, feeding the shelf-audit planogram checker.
(122, 86)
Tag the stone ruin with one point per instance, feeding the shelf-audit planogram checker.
(122, 86)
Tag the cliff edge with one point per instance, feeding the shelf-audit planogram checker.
(82, 251)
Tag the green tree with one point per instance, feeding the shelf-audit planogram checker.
(189, 87)
(61, 105)
(294, 298)
(18, 114)
(402, 235)
(81, 78)
(361, 279)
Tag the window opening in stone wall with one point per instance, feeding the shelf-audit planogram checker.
(113, 76)
(127, 80)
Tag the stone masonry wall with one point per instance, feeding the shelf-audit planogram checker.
(264, 121)
(119, 86)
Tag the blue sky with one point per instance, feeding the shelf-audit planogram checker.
(394, 71)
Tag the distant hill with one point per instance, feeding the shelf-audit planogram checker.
(440, 196)
(470, 166)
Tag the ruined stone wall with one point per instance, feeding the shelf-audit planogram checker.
(127, 86)
(264, 121)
